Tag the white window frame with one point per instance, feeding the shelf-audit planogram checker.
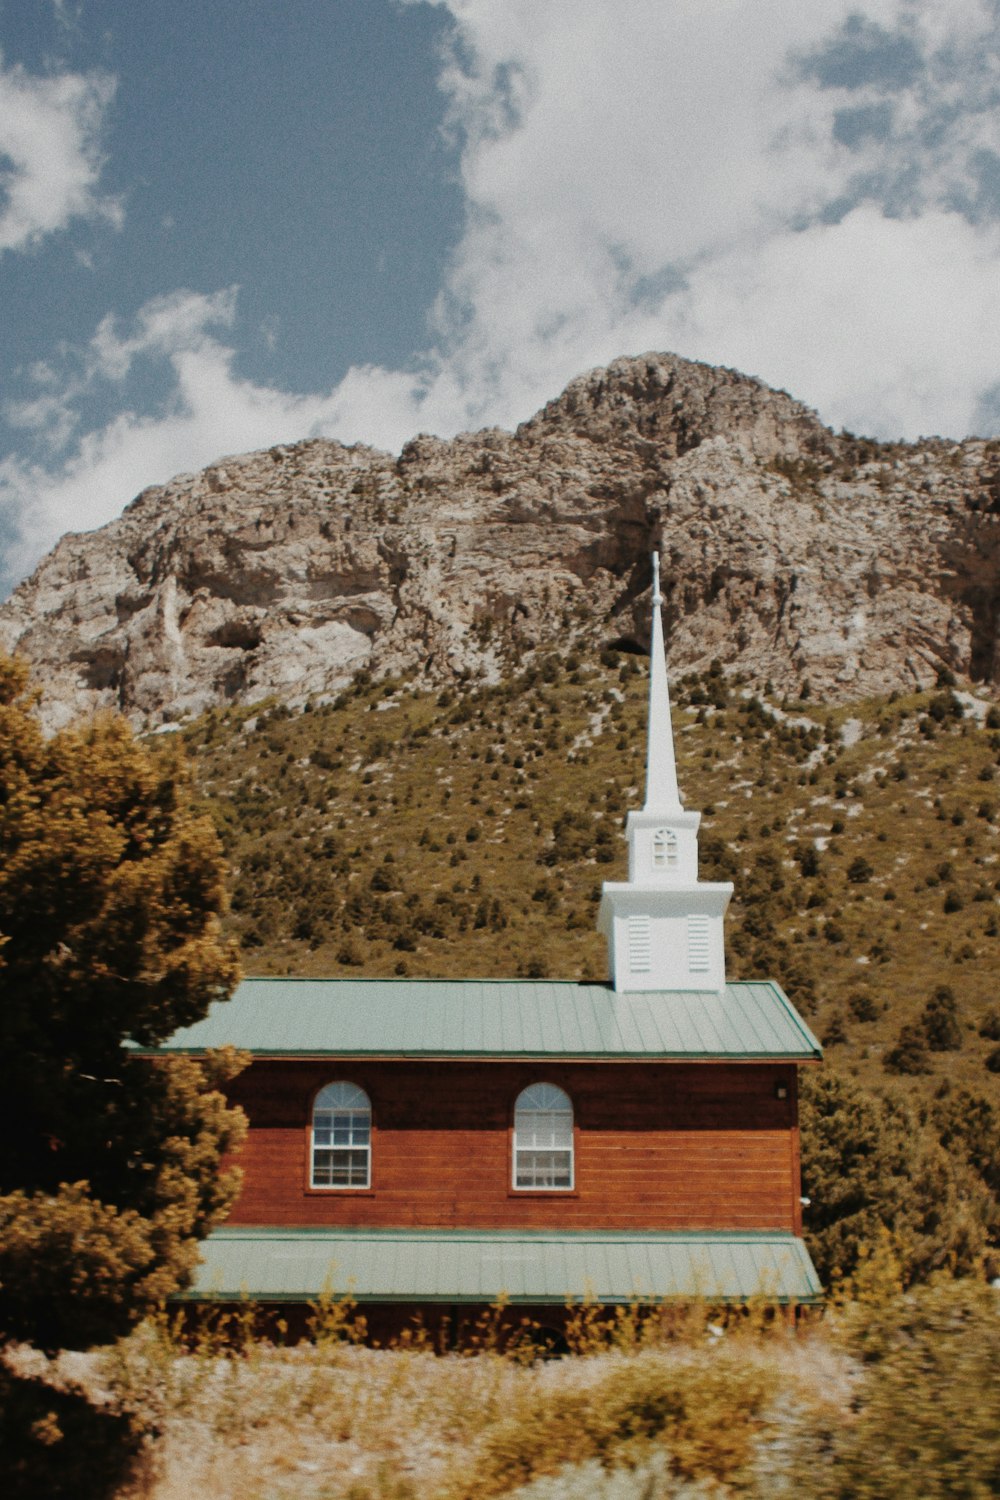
(340, 1139)
(544, 1144)
(665, 853)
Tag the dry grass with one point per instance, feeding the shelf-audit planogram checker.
(893, 1394)
(358, 1424)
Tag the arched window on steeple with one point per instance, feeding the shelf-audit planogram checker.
(664, 849)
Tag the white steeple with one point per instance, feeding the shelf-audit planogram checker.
(664, 927)
(661, 767)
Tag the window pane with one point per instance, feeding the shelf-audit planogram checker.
(342, 1096)
(322, 1168)
(543, 1096)
(340, 1169)
(544, 1169)
(541, 1131)
(350, 1169)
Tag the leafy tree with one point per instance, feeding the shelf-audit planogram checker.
(835, 1031)
(110, 894)
(865, 1168)
(863, 1006)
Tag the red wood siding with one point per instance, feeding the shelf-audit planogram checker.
(658, 1146)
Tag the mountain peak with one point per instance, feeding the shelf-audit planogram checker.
(788, 552)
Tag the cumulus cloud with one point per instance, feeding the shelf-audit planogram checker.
(803, 191)
(50, 154)
(210, 412)
(864, 319)
(807, 192)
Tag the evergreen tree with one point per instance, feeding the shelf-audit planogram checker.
(866, 1167)
(110, 894)
(942, 1027)
(909, 1055)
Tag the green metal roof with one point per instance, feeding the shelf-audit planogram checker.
(499, 1018)
(462, 1266)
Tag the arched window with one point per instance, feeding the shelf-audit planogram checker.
(664, 849)
(341, 1137)
(543, 1138)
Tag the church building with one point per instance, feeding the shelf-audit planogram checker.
(434, 1145)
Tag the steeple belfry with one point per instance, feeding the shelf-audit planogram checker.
(664, 926)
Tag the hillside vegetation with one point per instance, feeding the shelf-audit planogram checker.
(467, 833)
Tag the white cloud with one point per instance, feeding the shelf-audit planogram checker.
(211, 413)
(168, 325)
(666, 175)
(884, 324)
(50, 156)
(669, 174)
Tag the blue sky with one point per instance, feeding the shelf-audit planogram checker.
(229, 224)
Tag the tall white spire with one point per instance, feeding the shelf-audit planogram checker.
(663, 925)
(661, 767)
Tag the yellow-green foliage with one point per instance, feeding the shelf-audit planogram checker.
(927, 1405)
(334, 1319)
(869, 1172)
(56, 1442)
(706, 1412)
(111, 890)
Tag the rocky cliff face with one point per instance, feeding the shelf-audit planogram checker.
(788, 552)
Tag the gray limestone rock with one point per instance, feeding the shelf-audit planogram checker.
(788, 552)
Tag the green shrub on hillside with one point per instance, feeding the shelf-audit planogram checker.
(705, 1414)
(909, 1056)
(941, 1026)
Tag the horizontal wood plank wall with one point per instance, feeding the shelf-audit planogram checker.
(658, 1146)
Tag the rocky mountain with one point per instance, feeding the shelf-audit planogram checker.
(789, 552)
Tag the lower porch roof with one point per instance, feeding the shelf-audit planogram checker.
(478, 1266)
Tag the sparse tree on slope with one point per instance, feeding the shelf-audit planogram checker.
(110, 895)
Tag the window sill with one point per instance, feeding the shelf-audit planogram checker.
(339, 1192)
(542, 1193)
